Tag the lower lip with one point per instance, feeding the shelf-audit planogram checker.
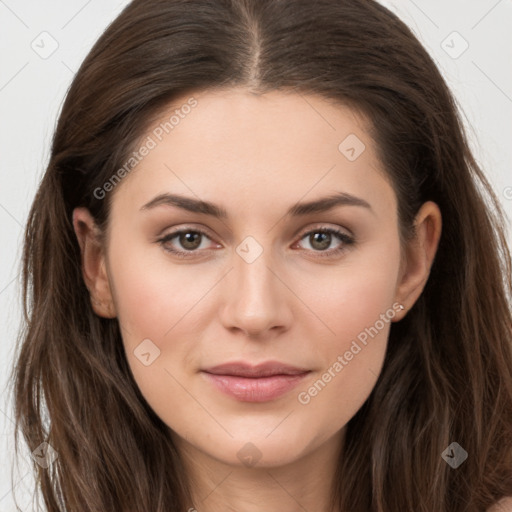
(262, 389)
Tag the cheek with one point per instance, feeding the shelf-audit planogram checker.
(151, 294)
(352, 357)
(352, 297)
(357, 310)
(155, 304)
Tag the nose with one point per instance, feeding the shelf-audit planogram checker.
(257, 300)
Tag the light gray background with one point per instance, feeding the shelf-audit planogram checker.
(33, 84)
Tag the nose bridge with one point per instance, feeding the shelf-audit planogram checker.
(257, 298)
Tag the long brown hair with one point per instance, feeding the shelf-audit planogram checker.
(447, 376)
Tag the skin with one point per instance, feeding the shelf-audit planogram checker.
(256, 156)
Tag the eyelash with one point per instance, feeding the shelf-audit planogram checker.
(346, 239)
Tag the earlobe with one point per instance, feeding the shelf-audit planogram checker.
(419, 255)
(93, 265)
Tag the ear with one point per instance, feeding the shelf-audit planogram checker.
(419, 256)
(94, 269)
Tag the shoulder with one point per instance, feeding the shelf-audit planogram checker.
(504, 505)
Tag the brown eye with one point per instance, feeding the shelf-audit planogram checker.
(321, 239)
(184, 243)
(190, 240)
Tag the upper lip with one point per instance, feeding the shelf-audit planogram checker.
(266, 369)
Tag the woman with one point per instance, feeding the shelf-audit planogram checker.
(264, 272)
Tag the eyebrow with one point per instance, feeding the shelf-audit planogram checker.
(204, 207)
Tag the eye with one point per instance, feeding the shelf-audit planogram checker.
(191, 240)
(321, 238)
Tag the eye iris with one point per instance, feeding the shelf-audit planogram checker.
(186, 239)
(325, 240)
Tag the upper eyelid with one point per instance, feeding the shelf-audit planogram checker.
(185, 229)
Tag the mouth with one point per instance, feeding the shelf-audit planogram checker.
(260, 383)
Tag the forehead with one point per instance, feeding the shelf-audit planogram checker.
(232, 146)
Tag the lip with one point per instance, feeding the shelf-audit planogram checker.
(255, 389)
(260, 383)
(266, 369)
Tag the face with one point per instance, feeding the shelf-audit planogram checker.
(312, 288)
